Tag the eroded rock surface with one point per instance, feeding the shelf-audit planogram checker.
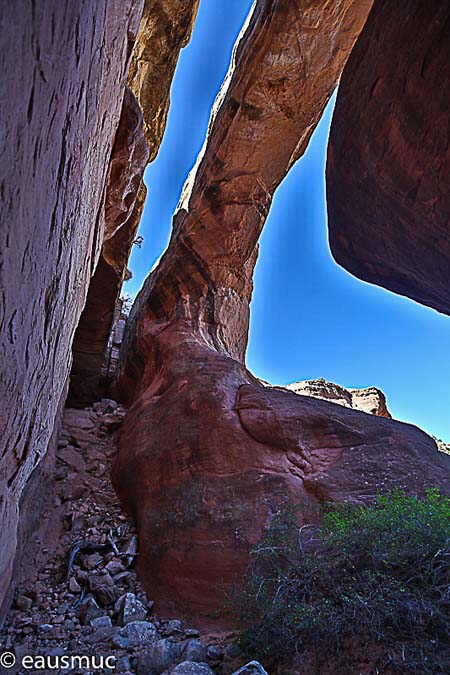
(388, 157)
(206, 450)
(64, 65)
(368, 399)
(164, 29)
(125, 195)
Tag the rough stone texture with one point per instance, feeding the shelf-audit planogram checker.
(165, 29)
(443, 447)
(125, 195)
(205, 449)
(388, 159)
(369, 399)
(64, 66)
(341, 454)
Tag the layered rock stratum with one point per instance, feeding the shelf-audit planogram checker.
(165, 28)
(367, 399)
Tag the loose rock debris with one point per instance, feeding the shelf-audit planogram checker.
(81, 597)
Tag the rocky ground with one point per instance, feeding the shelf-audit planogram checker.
(80, 595)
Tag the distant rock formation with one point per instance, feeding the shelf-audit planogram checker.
(369, 399)
(443, 447)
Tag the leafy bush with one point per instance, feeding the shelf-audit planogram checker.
(377, 574)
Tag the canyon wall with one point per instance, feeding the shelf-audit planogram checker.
(122, 212)
(206, 452)
(389, 155)
(165, 28)
(64, 68)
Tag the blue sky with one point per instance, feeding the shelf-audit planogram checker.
(309, 318)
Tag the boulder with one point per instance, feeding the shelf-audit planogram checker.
(135, 634)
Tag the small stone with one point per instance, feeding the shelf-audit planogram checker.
(74, 585)
(135, 634)
(106, 405)
(111, 421)
(101, 622)
(195, 651)
(107, 634)
(115, 567)
(192, 632)
(122, 576)
(46, 627)
(72, 458)
(130, 609)
(103, 589)
(192, 668)
(214, 653)
(90, 562)
(63, 609)
(251, 668)
(158, 657)
(123, 664)
(89, 610)
(231, 651)
(23, 602)
(130, 549)
(172, 628)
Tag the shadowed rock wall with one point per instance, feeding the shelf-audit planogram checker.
(389, 155)
(64, 66)
(125, 196)
(165, 28)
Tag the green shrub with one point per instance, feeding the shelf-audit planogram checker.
(379, 573)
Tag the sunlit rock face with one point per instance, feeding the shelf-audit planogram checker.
(165, 28)
(368, 399)
(388, 160)
(60, 108)
(206, 450)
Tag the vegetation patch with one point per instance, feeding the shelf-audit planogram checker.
(378, 574)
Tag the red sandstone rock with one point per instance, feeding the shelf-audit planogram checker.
(64, 66)
(388, 158)
(124, 202)
(164, 29)
(205, 449)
